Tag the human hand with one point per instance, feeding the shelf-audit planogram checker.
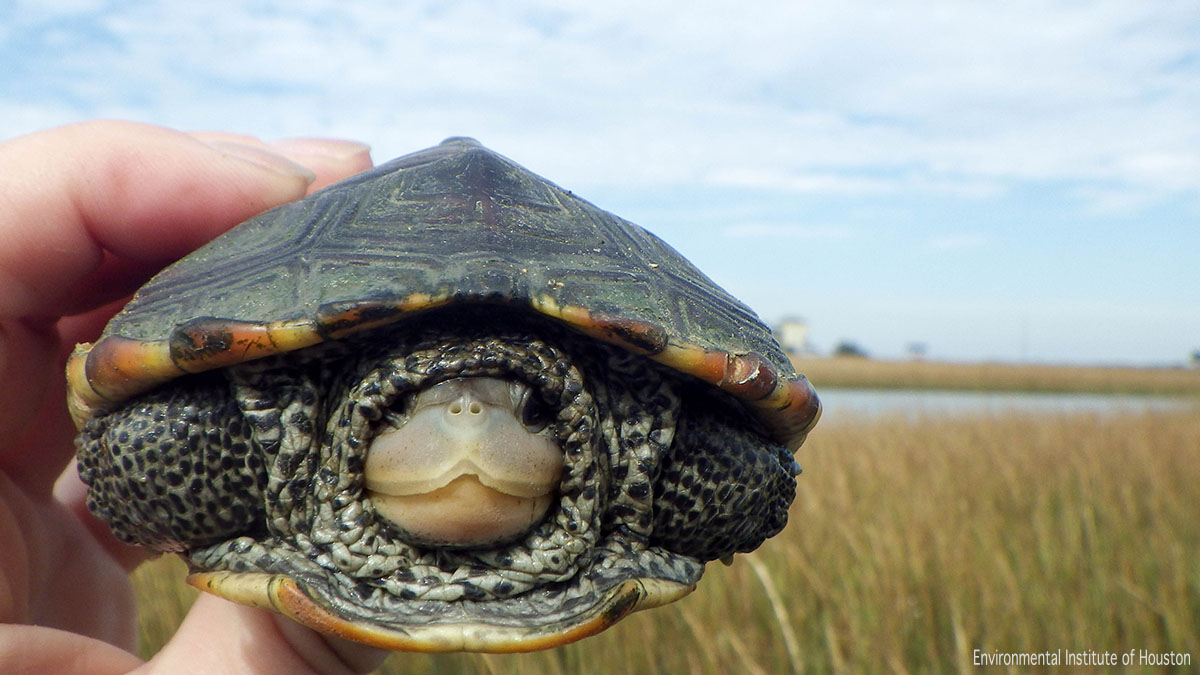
(88, 213)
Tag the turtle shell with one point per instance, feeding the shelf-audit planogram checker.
(456, 223)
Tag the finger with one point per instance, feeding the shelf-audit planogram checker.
(32, 453)
(219, 636)
(331, 160)
(36, 432)
(70, 491)
(38, 649)
(56, 574)
(140, 192)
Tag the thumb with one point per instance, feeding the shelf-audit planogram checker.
(220, 637)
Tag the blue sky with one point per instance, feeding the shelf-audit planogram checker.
(996, 180)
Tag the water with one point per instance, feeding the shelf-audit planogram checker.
(839, 404)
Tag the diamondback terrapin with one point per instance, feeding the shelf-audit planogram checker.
(442, 405)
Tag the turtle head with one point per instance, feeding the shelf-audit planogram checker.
(465, 463)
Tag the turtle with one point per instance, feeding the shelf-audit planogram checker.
(443, 405)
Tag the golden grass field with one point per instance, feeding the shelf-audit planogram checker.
(871, 373)
(912, 544)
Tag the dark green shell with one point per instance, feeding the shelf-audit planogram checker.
(456, 219)
(453, 223)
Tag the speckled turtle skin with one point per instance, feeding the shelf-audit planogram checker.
(226, 413)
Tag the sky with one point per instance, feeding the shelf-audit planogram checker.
(1012, 181)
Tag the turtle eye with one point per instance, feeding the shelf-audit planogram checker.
(398, 413)
(533, 412)
(394, 417)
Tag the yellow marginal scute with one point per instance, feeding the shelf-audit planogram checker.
(117, 368)
(290, 335)
(787, 405)
(82, 399)
(114, 369)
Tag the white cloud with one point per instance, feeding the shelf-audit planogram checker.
(787, 231)
(1174, 170)
(850, 98)
(821, 183)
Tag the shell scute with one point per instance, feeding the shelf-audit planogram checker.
(205, 342)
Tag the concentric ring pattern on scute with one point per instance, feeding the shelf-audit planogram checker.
(453, 223)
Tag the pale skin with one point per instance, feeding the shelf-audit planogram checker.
(87, 213)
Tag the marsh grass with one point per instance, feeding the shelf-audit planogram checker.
(855, 372)
(913, 543)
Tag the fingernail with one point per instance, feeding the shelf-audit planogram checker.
(264, 158)
(324, 147)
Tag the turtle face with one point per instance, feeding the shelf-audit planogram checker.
(466, 463)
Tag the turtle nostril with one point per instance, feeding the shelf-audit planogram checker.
(475, 408)
(456, 408)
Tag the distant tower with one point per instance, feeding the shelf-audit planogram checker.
(792, 333)
(917, 351)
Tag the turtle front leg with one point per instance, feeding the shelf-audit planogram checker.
(724, 488)
(175, 468)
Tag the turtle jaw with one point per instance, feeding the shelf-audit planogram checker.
(464, 513)
(301, 602)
